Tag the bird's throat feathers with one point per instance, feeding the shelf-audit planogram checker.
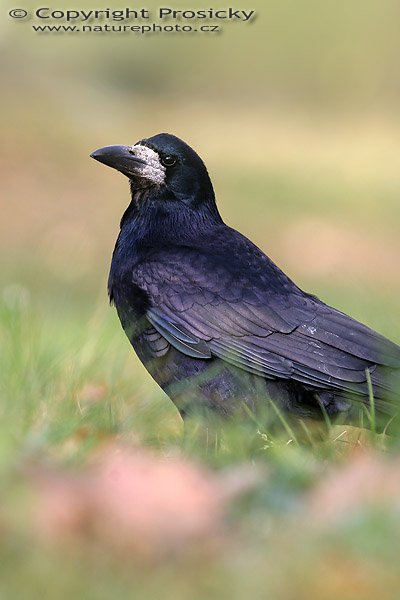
(154, 221)
(157, 215)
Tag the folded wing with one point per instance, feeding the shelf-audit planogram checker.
(205, 307)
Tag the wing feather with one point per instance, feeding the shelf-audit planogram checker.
(254, 317)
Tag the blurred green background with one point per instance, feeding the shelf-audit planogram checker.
(297, 116)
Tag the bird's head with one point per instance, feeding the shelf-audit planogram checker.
(164, 165)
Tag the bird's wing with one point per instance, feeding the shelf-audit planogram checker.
(258, 320)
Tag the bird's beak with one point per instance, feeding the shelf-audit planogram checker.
(121, 158)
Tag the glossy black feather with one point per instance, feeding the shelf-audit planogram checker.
(306, 337)
(221, 304)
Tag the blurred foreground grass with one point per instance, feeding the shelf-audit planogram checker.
(319, 518)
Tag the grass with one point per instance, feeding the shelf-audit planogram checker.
(72, 390)
(71, 386)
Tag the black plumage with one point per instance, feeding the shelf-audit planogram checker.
(213, 319)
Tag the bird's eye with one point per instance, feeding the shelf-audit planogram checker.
(168, 161)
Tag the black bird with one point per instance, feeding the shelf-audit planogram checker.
(216, 323)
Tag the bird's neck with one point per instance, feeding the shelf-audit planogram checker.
(158, 219)
(151, 223)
